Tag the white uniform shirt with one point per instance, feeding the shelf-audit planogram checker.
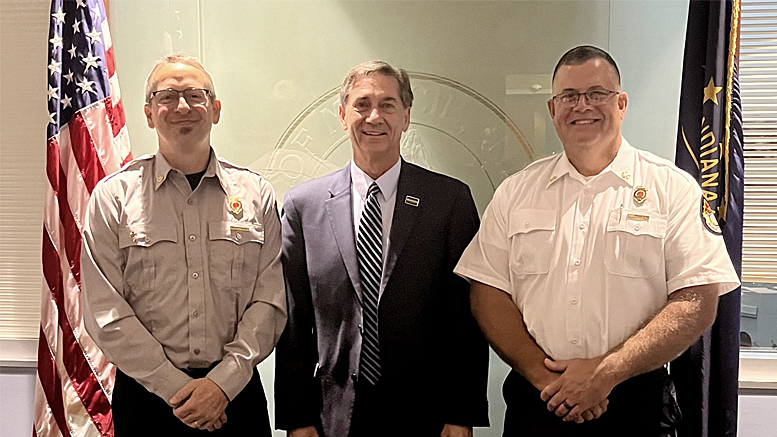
(587, 264)
(387, 182)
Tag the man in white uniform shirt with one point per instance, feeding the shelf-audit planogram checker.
(593, 268)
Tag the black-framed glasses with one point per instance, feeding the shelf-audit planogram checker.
(596, 97)
(193, 96)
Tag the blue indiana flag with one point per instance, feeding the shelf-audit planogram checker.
(710, 148)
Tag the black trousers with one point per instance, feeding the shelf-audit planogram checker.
(636, 409)
(138, 412)
(378, 412)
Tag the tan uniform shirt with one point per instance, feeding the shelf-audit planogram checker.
(179, 279)
(585, 261)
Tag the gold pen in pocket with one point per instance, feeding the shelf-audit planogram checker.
(620, 214)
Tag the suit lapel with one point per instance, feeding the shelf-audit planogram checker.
(405, 215)
(340, 210)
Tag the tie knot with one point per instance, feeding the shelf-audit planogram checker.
(373, 190)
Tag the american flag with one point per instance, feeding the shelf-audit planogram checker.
(87, 139)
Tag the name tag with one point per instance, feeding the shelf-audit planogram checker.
(239, 228)
(638, 217)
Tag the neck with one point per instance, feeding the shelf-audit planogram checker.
(188, 160)
(591, 161)
(375, 167)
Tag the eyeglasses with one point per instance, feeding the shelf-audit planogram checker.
(595, 97)
(193, 96)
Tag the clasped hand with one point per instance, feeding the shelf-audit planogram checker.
(579, 393)
(200, 404)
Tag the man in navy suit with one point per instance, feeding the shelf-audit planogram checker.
(389, 348)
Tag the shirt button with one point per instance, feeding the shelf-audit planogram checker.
(577, 262)
(239, 236)
(582, 226)
(574, 341)
(196, 313)
(196, 352)
(587, 191)
(190, 202)
(526, 225)
(192, 237)
(195, 275)
(636, 228)
(353, 376)
(574, 301)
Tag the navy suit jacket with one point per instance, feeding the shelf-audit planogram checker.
(434, 359)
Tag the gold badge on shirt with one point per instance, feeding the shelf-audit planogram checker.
(640, 194)
(235, 205)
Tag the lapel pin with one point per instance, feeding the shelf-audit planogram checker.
(640, 194)
(625, 175)
(235, 205)
(412, 201)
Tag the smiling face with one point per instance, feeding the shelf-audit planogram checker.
(375, 118)
(182, 124)
(584, 126)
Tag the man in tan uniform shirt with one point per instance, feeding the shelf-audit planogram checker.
(182, 282)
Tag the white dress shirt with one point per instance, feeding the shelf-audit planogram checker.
(387, 182)
(583, 260)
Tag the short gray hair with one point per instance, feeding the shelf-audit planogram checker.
(380, 67)
(178, 58)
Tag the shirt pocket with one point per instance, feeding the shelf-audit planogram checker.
(233, 252)
(634, 243)
(147, 246)
(531, 233)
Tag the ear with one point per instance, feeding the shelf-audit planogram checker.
(407, 120)
(551, 108)
(149, 120)
(341, 116)
(216, 111)
(623, 103)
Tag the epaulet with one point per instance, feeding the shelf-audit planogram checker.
(130, 166)
(663, 163)
(226, 164)
(534, 164)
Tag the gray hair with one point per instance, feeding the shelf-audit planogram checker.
(178, 58)
(380, 67)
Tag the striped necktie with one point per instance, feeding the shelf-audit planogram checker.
(370, 253)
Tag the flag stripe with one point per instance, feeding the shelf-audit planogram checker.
(85, 153)
(52, 386)
(79, 372)
(44, 424)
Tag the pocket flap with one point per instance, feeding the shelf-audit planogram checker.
(146, 235)
(527, 220)
(637, 222)
(237, 232)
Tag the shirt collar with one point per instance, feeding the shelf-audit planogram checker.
(622, 166)
(163, 168)
(387, 182)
